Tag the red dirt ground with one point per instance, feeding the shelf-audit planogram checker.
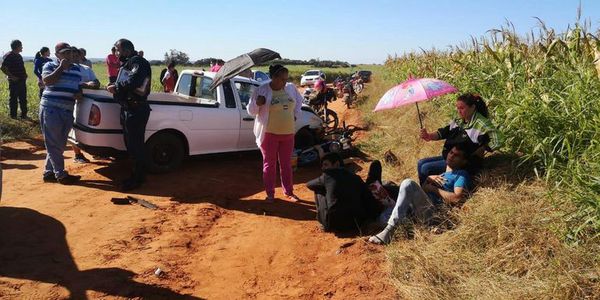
(213, 235)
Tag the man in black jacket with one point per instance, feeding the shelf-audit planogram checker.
(343, 200)
(131, 91)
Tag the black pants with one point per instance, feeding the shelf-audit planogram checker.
(112, 79)
(18, 97)
(134, 122)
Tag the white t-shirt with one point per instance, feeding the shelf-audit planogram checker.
(87, 74)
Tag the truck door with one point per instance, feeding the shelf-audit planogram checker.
(214, 126)
(243, 91)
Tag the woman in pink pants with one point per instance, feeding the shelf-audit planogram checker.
(275, 105)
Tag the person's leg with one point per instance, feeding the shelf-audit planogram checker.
(48, 174)
(268, 148)
(430, 166)
(375, 171)
(135, 125)
(79, 157)
(13, 97)
(52, 130)
(23, 98)
(410, 196)
(286, 147)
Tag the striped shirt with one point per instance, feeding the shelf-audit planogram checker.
(479, 131)
(61, 94)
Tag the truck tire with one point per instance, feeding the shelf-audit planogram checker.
(164, 152)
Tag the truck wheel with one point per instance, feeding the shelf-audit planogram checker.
(164, 152)
(304, 138)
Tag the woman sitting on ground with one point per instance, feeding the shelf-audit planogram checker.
(473, 128)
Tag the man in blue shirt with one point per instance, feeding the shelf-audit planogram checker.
(448, 188)
(61, 80)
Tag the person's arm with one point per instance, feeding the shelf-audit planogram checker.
(37, 69)
(448, 197)
(429, 136)
(317, 184)
(50, 77)
(93, 84)
(136, 78)
(7, 72)
(299, 99)
(256, 101)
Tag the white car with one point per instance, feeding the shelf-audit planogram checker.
(309, 77)
(193, 120)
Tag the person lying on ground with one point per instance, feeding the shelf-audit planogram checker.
(421, 202)
(343, 200)
(473, 128)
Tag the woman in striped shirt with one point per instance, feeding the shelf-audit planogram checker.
(473, 128)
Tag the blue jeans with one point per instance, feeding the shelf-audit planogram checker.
(411, 199)
(430, 166)
(56, 124)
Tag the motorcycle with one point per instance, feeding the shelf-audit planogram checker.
(349, 94)
(338, 84)
(339, 141)
(358, 85)
(319, 105)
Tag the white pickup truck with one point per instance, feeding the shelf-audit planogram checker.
(191, 121)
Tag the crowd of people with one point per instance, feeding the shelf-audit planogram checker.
(61, 83)
(343, 200)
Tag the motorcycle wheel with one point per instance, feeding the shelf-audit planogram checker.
(331, 123)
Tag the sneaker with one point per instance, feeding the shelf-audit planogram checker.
(49, 178)
(293, 198)
(68, 179)
(81, 159)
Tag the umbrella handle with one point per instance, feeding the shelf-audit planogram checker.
(419, 114)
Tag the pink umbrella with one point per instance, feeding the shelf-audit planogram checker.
(414, 90)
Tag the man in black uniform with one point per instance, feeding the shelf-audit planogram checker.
(131, 91)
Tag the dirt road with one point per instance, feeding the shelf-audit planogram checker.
(213, 235)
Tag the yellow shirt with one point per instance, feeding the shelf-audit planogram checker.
(281, 113)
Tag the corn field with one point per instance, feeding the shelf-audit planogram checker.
(543, 90)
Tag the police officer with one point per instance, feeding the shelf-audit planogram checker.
(131, 91)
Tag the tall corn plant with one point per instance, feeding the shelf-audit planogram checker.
(544, 93)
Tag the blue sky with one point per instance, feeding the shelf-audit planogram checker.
(364, 31)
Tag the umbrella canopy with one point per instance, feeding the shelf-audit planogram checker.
(245, 61)
(413, 91)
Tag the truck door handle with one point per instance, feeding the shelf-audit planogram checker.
(248, 119)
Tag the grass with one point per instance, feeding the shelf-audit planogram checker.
(531, 229)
